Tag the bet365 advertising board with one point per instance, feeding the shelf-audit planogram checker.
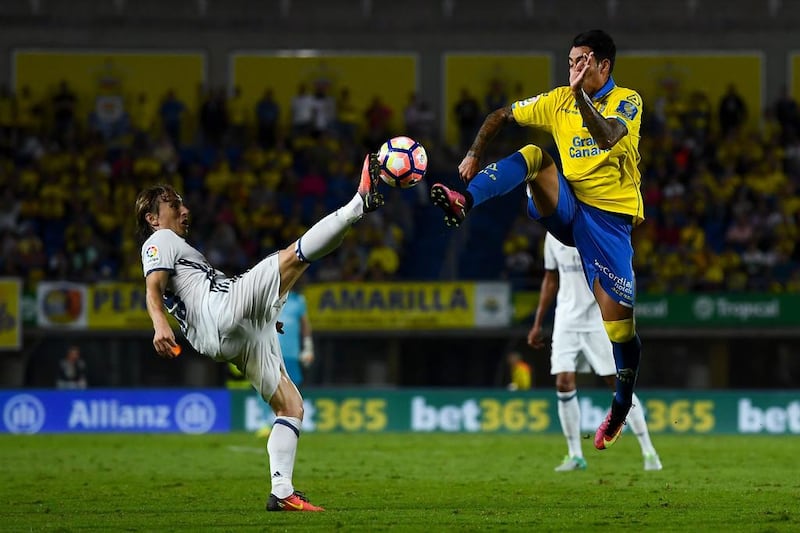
(491, 411)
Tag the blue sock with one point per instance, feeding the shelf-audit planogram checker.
(498, 178)
(627, 356)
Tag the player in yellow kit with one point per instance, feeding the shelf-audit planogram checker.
(521, 375)
(593, 205)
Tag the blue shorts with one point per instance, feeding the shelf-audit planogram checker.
(602, 238)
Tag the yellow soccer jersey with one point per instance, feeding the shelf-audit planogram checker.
(521, 376)
(606, 179)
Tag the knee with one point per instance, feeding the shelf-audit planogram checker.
(290, 408)
(532, 155)
(294, 404)
(620, 330)
(296, 411)
(286, 400)
(564, 387)
(565, 382)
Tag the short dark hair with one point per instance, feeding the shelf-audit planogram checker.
(601, 44)
(148, 202)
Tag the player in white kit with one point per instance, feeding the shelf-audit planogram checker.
(580, 344)
(233, 319)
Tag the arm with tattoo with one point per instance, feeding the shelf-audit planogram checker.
(605, 131)
(491, 125)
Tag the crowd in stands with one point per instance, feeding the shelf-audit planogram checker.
(68, 182)
(720, 186)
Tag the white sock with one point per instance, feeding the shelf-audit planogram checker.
(569, 413)
(639, 426)
(281, 447)
(327, 234)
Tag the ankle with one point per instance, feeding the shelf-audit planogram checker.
(469, 200)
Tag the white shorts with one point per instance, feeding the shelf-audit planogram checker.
(246, 324)
(582, 351)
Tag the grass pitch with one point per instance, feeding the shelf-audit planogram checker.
(397, 482)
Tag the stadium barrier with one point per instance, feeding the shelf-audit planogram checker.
(196, 411)
(405, 306)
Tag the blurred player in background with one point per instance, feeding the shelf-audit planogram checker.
(521, 375)
(579, 345)
(297, 344)
(233, 319)
(593, 205)
(72, 370)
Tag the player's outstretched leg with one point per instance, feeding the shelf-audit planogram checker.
(368, 183)
(327, 234)
(453, 203)
(495, 180)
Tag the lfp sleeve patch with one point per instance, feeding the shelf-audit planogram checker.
(627, 109)
(151, 255)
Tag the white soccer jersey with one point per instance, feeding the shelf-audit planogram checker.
(576, 308)
(227, 319)
(192, 289)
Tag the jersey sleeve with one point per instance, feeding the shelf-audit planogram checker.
(535, 111)
(626, 106)
(549, 255)
(160, 252)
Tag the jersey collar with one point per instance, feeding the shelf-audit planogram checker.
(605, 89)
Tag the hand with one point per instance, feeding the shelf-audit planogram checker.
(535, 337)
(469, 167)
(307, 352)
(578, 73)
(164, 342)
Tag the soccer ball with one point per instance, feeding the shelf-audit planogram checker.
(403, 162)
